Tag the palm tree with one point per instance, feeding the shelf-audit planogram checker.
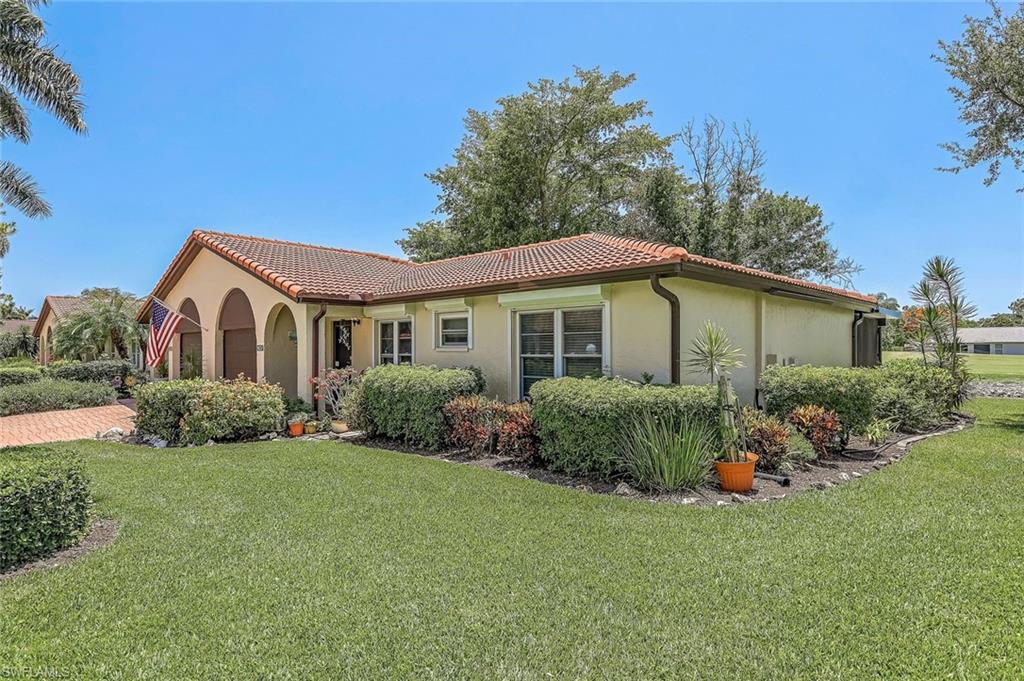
(6, 232)
(712, 353)
(107, 321)
(29, 68)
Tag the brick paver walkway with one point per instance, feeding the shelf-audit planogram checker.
(57, 426)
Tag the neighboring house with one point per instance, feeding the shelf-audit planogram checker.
(13, 325)
(54, 311)
(992, 340)
(586, 305)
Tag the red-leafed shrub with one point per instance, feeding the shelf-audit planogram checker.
(819, 425)
(485, 426)
(768, 437)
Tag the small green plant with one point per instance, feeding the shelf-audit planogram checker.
(878, 431)
(821, 426)
(191, 365)
(713, 354)
(298, 417)
(668, 454)
(647, 378)
(768, 437)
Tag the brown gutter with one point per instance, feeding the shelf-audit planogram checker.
(316, 352)
(676, 333)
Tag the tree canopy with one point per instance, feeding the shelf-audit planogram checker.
(988, 62)
(574, 156)
(106, 321)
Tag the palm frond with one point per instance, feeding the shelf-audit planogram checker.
(42, 77)
(13, 119)
(18, 22)
(19, 190)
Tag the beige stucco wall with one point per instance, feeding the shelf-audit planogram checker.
(49, 324)
(207, 281)
(808, 333)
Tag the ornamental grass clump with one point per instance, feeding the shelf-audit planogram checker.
(666, 454)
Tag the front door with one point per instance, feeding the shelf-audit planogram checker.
(342, 344)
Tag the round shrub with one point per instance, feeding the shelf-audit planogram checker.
(915, 396)
(44, 503)
(19, 375)
(161, 405)
(580, 421)
(232, 410)
(50, 395)
(407, 402)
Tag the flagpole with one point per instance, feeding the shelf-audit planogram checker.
(178, 313)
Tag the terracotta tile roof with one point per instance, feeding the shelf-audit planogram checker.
(11, 325)
(60, 306)
(323, 273)
(570, 256)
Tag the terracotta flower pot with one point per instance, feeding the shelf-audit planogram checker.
(296, 429)
(339, 426)
(737, 477)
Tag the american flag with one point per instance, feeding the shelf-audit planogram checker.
(161, 332)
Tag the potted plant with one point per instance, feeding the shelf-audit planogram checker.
(333, 387)
(311, 426)
(735, 467)
(713, 354)
(297, 424)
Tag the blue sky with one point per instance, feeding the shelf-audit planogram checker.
(317, 122)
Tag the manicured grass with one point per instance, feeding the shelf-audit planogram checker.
(317, 560)
(989, 367)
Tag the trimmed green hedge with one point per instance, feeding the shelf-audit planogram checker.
(44, 504)
(194, 411)
(581, 421)
(407, 402)
(161, 405)
(850, 393)
(50, 395)
(914, 395)
(19, 375)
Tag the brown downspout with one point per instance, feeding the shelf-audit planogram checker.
(316, 351)
(675, 338)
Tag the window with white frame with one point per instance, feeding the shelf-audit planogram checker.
(394, 341)
(453, 331)
(558, 343)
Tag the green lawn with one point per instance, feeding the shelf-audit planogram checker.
(319, 560)
(990, 367)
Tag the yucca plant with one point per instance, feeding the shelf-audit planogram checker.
(712, 353)
(668, 454)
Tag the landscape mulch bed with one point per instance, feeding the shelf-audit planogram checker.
(859, 460)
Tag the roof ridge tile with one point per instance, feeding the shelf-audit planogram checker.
(322, 247)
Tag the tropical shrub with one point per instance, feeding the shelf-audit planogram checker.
(915, 396)
(44, 504)
(821, 426)
(20, 343)
(333, 387)
(878, 431)
(161, 405)
(231, 410)
(17, 375)
(50, 395)
(668, 453)
(405, 402)
(580, 421)
(112, 371)
(800, 450)
(850, 393)
(485, 426)
(768, 437)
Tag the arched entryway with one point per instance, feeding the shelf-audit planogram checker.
(281, 358)
(190, 343)
(238, 336)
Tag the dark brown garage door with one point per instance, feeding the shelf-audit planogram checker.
(240, 353)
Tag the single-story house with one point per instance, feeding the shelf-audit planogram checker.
(992, 340)
(54, 311)
(591, 304)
